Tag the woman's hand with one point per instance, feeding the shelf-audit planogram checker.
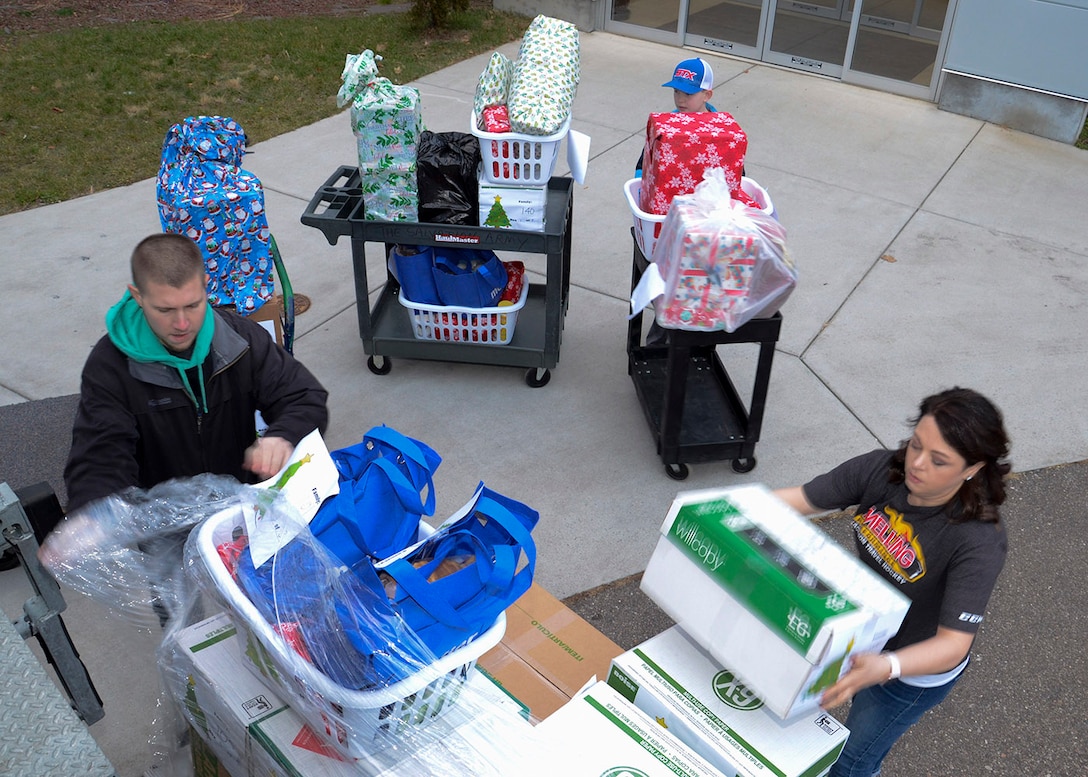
(940, 653)
(865, 669)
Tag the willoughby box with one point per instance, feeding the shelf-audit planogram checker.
(598, 733)
(768, 593)
(705, 706)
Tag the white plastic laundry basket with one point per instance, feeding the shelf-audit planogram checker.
(353, 722)
(513, 159)
(648, 225)
(472, 326)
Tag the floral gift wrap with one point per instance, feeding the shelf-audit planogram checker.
(545, 77)
(204, 193)
(387, 123)
(680, 146)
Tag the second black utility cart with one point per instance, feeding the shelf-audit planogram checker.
(690, 402)
(386, 330)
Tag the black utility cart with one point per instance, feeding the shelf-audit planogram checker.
(386, 331)
(691, 404)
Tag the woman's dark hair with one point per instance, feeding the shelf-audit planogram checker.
(973, 426)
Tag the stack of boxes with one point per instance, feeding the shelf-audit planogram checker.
(768, 611)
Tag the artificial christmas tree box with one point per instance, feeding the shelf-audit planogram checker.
(768, 593)
(513, 207)
(705, 706)
(599, 733)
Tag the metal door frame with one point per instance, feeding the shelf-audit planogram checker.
(762, 51)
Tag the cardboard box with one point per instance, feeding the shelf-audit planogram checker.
(513, 207)
(768, 593)
(205, 761)
(677, 683)
(599, 732)
(548, 653)
(221, 697)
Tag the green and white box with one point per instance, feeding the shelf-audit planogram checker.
(598, 733)
(705, 706)
(220, 696)
(768, 593)
(513, 207)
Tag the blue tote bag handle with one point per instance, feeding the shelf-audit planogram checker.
(452, 610)
(419, 460)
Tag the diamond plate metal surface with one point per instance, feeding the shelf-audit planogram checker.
(40, 733)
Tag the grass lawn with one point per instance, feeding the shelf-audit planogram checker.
(87, 109)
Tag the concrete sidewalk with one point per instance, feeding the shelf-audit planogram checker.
(933, 250)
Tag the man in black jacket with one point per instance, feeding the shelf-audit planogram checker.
(172, 389)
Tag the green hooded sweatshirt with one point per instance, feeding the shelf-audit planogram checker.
(129, 331)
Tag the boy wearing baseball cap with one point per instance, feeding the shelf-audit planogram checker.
(692, 86)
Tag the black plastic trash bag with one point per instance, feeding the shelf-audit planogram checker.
(446, 164)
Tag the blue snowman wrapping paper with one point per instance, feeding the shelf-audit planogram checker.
(204, 193)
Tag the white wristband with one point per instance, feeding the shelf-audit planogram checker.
(896, 668)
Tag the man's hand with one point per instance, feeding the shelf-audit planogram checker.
(74, 538)
(267, 456)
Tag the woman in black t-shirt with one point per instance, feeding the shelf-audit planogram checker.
(927, 521)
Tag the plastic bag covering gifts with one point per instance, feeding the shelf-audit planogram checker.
(387, 123)
(719, 262)
(204, 193)
(680, 147)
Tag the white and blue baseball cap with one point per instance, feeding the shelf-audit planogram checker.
(691, 76)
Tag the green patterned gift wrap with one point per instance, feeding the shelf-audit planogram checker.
(545, 77)
(387, 123)
(493, 86)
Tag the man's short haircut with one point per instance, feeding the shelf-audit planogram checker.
(168, 259)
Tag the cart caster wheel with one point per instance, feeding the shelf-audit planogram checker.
(744, 465)
(677, 471)
(384, 369)
(532, 380)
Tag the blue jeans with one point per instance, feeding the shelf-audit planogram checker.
(879, 715)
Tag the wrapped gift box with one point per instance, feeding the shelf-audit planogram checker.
(387, 122)
(680, 146)
(545, 77)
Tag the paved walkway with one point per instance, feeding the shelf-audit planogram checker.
(933, 249)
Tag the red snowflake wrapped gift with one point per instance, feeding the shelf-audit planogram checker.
(680, 146)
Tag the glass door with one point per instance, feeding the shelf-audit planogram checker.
(657, 20)
(729, 26)
(898, 41)
(811, 35)
(893, 45)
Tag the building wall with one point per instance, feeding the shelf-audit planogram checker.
(1022, 64)
(1039, 44)
(583, 13)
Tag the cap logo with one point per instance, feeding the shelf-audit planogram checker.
(687, 75)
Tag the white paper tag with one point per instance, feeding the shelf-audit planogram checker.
(650, 286)
(578, 155)
(468, 507)
(308, 479)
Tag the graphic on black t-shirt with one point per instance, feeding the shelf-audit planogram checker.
(891, 541)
